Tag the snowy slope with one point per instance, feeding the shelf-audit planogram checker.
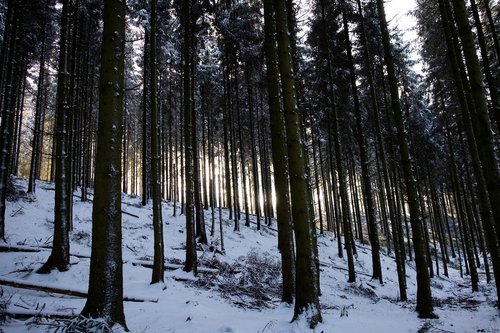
(187, 304)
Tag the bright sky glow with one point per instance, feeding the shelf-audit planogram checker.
(397, 12)
(398, 16)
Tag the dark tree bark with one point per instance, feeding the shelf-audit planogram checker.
(479, 153)
(492, 85)
(39, 109)
(105, 295)
(158, 260)
(255, 174)
(191, 263)
(424, 297)
(479, 116)
(367, 186)
(344, 206)
(307, 292)
(279, 153)
(145, 183)
(7, 101)
(59, 257)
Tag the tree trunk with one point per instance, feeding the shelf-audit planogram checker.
(476, 149)
(7, 104)
(367, 187)
(157, 273)
(59, 257)
(492, 85)
(279, 153)
(307, 293)
(191, 263)
(424, 297)
(39, 108)
(105, 296)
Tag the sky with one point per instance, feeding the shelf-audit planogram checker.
(397, 15)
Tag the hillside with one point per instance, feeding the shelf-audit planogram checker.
(242, 297)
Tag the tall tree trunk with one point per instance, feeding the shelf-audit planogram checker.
(158, 259)
(39, 108)
(344, 208)
(7, 104)
(255, 173)
(424, 297)
(191, 263)
(493, 30)
(59, 257)
(479, 116)
(492, 85)
(105, 295)
(476, 149)
(145, 131)
(367, 186)
(279, 154)
(307, 293)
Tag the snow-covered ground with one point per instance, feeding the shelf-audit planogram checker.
(185, 305)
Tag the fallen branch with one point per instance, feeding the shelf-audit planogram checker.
(149, 264)
(68, 292)
(265, 225)
(343, 268)
(130, 214)
(17, 211)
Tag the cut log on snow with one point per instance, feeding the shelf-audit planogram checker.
(21, 248)
(52, 289)
(149, 264)
(18, 248)
(28, 313)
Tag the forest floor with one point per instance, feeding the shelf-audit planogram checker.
(243, 296)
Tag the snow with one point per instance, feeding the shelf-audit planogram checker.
(180, 306)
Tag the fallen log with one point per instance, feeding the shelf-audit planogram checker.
(27, 314)
(22, 248)
(52, 289)
(18, 248)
